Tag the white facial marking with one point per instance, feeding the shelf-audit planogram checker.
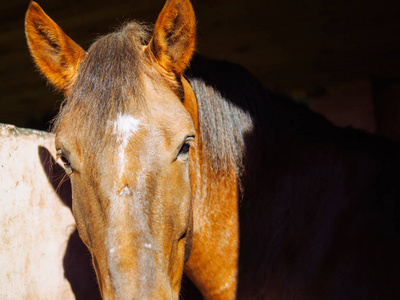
(148, 246)
(112, 250)
(125, 192)
(126, 125)
(124, 128)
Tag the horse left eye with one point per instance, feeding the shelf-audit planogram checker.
(185, 148)
(184, 151)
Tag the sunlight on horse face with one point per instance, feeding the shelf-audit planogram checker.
(127, 162)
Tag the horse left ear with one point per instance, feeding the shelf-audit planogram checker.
(173, 41)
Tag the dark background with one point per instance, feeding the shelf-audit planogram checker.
(342, 58)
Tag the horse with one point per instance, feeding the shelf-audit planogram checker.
(180, 164)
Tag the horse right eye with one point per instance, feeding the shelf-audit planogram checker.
(65, 161)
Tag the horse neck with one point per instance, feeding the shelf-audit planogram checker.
(300, 174)
(303, 165)
(264, 139)
(241, 123)
(307, 182)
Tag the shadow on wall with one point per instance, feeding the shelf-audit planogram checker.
(77, 263)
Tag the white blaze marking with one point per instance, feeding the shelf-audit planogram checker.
(124, 128)
(148, 246)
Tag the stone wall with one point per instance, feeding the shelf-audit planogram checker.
(35, 222)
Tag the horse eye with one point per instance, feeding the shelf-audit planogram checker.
(185, 148)
(184, 151)
(65, 161)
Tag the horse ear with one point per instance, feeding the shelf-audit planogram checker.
(173, 41)
(56, 55)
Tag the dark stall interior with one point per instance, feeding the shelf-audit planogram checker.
(341, 58)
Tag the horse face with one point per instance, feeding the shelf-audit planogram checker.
(128, 166)
(132, 199)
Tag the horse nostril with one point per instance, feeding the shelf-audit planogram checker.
(183, 235)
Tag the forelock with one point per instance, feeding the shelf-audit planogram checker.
(108, 79)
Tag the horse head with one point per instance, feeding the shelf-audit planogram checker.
(123, 133)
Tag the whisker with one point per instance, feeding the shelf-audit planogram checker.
(64, 179)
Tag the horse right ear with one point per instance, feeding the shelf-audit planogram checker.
(56, 55)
